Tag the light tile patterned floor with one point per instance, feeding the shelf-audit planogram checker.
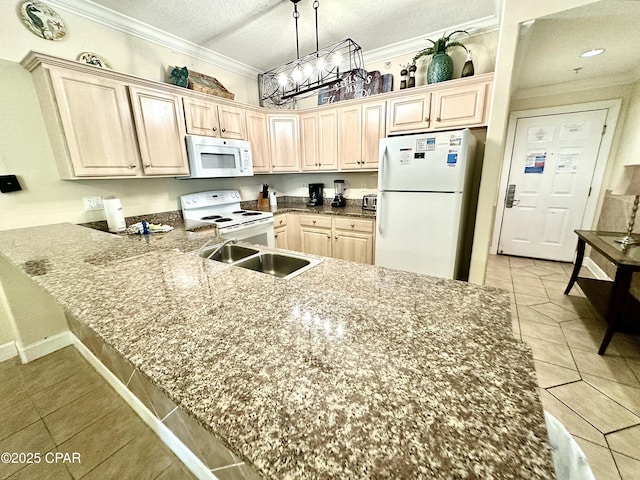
(597, 398)
(59, 403)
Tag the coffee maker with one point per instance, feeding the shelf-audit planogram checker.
(339, 186)
(315, 195)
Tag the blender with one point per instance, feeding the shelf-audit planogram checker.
(339, 200)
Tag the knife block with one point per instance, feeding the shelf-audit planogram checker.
(263, 202)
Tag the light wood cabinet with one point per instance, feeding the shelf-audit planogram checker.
(160, 130)
(284, 142)
(280, 231)
(319, 140)
(459, 106)
(214, 120)
(89, 124)
(360, 128)
(258, 136)
(409, 114)
(347, 238)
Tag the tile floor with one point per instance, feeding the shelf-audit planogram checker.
(59, 403)
(597, 398)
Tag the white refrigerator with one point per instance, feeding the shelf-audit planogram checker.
(425, 190)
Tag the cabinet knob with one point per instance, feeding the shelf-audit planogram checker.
(214, 129)
(280, 222)
(353, 225)
(224, 130)
(336, 237)
(426, 119)
(328, 236)
(132, 165)
(275, 236)
(147, 165)
(314, 221)
(438, 119)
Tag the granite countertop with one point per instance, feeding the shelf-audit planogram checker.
(345, 371)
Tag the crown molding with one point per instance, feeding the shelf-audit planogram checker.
(413, 45)
(104, 16)
(573, 86)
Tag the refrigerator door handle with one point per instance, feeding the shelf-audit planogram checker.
(381, 173)
(379, 214)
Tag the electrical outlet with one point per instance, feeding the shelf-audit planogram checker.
(304, 185)
(92, 203)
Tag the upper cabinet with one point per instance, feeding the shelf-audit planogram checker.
(89, 124)
(285, 143)
(214, 120)
(409, 114)
(460, 106)
(258, 137)
(454, 104)
(319, 140)
(360, 128)
(160, 129)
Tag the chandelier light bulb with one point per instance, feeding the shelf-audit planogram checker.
(308, 70)
(282, 80)
(337, 59)
(296, 75)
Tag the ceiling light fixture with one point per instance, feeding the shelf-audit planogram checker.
(592, 53)
(303, 76)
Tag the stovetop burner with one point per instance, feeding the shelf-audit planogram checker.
(222, 220)
(239, 211)
(211, 217)
(249, 214)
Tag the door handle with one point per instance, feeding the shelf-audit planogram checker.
(511, 193)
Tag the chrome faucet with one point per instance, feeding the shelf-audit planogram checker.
(221, 246)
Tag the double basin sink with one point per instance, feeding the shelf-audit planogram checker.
(277, 264)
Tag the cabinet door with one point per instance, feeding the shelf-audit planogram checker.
(280, 235)
(460, 106)
(201, 117)
(98, 127)
(160, 130)
(258, 136)
(285, 146)
(350, 137)
(232, 122)
(316, 241)
(408, 114)
(357, 247)
(309, 141)
(373, 129)
(328, 140)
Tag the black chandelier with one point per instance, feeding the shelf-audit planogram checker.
(303, 76)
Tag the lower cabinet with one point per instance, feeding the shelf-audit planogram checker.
(280, 231)
(346, 238)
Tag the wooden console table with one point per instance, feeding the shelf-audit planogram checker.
(611, 299)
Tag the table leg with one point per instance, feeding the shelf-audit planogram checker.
(577, 266)
(616, 303)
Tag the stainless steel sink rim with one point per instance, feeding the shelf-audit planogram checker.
(256, 261)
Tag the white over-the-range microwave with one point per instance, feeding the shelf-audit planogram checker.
(211, 157)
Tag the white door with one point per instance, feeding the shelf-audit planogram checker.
(552, 166)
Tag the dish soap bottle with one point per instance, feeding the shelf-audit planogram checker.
(467, 69)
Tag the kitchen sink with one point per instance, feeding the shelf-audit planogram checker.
(229, 253)
(276, 264)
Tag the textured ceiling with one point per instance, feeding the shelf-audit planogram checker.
(261, 33)
(550, 49)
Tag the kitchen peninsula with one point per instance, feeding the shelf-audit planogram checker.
(345, 371)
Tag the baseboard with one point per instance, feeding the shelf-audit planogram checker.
(44, 347)
(190, 460)
(595, 269)
(7, 351)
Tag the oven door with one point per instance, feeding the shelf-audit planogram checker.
(256, 233)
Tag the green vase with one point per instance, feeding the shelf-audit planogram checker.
(440, 69)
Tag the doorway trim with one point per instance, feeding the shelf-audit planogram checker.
(601, 162)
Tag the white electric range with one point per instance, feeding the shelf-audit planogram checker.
(221, 209)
